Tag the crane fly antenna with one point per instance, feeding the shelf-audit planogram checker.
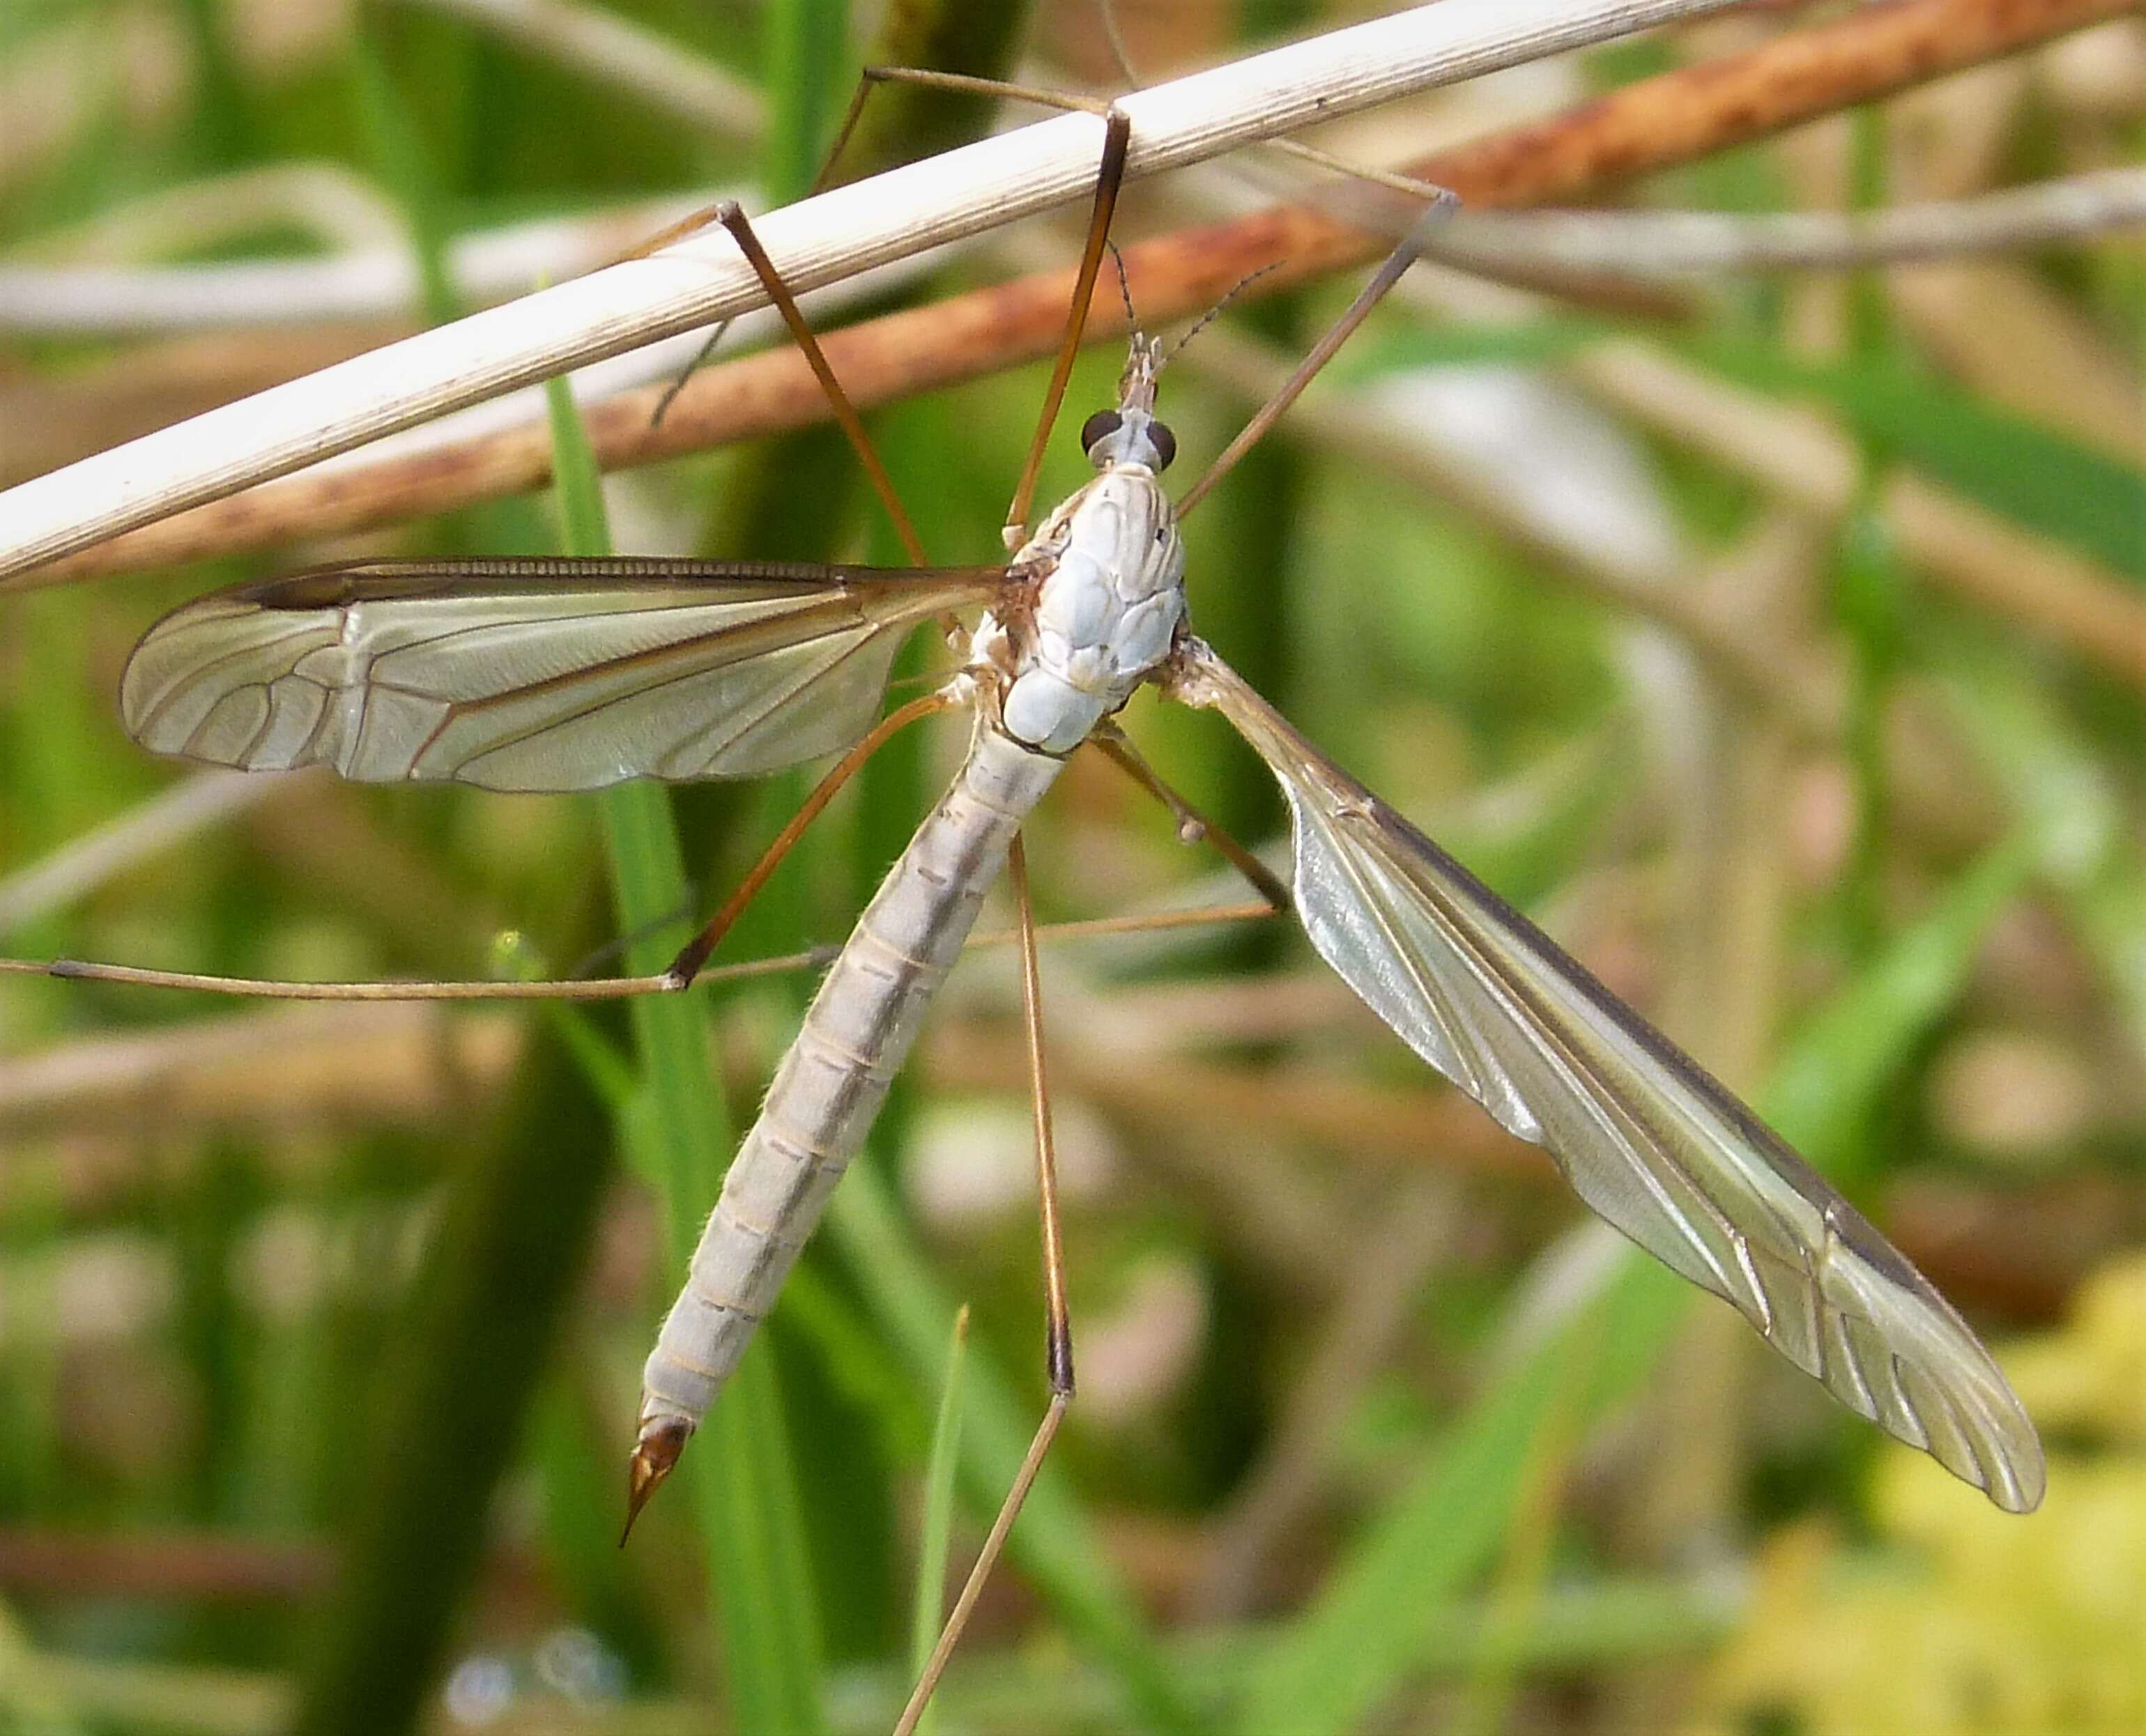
(1221, 307)
(1117, 137)
(1125, 285)
(1405, 254)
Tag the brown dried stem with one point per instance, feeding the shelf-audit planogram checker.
(1652, 124)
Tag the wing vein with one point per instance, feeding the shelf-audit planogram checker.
(480, 673)
(1648, 1139)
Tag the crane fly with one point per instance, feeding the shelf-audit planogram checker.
(558, 674)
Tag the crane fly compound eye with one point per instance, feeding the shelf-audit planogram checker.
(1100, 426)
(1165, 443)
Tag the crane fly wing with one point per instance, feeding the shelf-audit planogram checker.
(1644, 1136)
(534, 674)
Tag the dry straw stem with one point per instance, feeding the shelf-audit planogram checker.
(192, 805)
(1670, 245)
(376, 280)
(369, 1064)
(1652, 124)
(1801, 457)
(705, 278)
(333, 206)
(47, 419)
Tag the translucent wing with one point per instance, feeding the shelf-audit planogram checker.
(1645, 1137)
(533, 675)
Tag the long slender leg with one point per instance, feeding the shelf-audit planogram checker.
(967, 83)
(1442, 202)
(1058, 1343)
(1107, 12)
(868, 81)
(730, 215)
(1109, 178)
(678, 383)
(1388, 274)
(694, 220)
(699, 219)
(691, 224)
(733, 218)
(678, 229)
(687, 965)
(1193, 826)
(1393, 180)
(600, 988)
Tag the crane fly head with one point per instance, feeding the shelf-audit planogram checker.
(1130, 434)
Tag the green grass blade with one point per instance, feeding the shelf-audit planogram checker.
(1830, 1079)
(2068, 800)
(2026, 472)
(577, 1479)
(1521, 1576)
(500, 1267)
(805, 40)
(738, 1469)
(1379, 1610)
(1053, 1544)
(1869, 599)
(935, 1535)
(404, 165)
(1383, 1605)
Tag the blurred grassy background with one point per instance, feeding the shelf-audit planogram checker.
(320, 1327)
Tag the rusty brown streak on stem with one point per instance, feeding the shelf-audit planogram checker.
(1653, 124)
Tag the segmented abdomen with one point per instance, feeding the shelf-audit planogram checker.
(824, 1095)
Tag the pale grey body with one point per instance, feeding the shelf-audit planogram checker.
(829, 1085)
(1108, 570)
(570, 675)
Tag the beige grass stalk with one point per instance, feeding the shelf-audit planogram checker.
(814, 242)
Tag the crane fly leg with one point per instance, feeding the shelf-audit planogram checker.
(691, 224)
(687, 965)
(1109, 177)
(1058, 1341)
(730, 216)
(733, 218)
(967, 83)
(1058, 1351)
(1405, 254)
(595, 988)
(1193, 826)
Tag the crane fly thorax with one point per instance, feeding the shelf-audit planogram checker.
(1099, 600)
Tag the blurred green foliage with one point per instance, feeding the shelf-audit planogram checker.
(1958, 1624)
(319, 1333)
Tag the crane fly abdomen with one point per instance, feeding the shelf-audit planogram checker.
(1092, 607)
(823, 1098)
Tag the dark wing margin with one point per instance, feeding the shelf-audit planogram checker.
(1644, 1134)
(539, 674)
